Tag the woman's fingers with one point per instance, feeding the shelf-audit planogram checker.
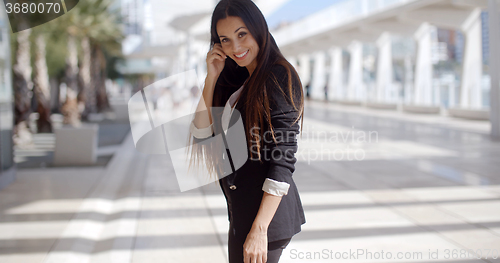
(254, 257)
(255, 247)
(212, 57)
(218, 49)
(216, 54)
(215, 61)
(219, 52)
(246, 257)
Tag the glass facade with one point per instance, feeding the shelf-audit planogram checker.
(6, 106)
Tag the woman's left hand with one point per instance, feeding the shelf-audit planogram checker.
(255, 246)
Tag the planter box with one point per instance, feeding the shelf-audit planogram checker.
(471, 114)
(422, 109)
(348, 102)
(76, 145)
(382, 105)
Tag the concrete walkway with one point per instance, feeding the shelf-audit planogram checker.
(373, 184)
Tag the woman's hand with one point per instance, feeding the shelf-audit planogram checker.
(255, 246)
(216, 59)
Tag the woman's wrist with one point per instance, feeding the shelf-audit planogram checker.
(259, 227)
(210, 80)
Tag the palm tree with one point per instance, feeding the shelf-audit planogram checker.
(87, 90)
(101, 29)
(22, 88)
(96, 25)
(70, 109)
(41, 84)
(111, 46)
(100, 102)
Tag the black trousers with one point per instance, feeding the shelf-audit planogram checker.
(274, 249)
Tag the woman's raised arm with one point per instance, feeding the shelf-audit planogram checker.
(202, 122)
(203, 116)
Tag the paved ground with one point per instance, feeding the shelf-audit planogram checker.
(372, 182)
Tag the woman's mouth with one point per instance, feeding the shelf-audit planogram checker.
(241, 55)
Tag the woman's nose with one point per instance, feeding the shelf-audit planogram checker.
(236, 46)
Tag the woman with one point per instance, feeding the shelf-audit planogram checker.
(247, 72)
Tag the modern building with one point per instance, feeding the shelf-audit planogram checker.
(7, 168)
(486, 36)
(162, 43)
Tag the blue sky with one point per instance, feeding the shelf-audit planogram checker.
(297, 9)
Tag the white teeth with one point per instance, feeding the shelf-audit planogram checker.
(239, 56)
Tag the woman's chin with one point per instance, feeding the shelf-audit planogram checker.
(239, 64)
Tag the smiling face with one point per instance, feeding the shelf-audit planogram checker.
(237, 42)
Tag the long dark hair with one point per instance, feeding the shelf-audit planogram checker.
(254, 96)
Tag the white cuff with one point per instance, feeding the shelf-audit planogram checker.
(201, 133)
(275, 188)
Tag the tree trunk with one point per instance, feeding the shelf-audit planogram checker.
(99, 78)
(54, 95)
(22, 89)
(70, 109)
(42, 87)
(86, 96)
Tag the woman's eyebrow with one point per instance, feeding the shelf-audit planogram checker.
(234, 31)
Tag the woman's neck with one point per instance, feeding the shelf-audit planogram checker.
(251, 67)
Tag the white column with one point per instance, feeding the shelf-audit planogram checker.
(384, 68)
(423, 66)
(355, 86)
(335, 83)
(436, 98)
(319, 76)
(470, 88)
(408, 81)
(494, 22)
(451, 93)
(304, 69)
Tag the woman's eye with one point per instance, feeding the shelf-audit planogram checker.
(242, 34)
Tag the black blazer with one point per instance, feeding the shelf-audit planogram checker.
(243, 188)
